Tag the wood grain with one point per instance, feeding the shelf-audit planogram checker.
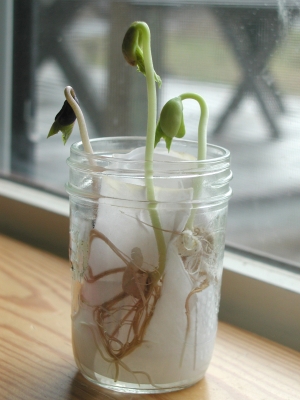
(36, 360)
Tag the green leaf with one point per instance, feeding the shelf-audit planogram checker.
(168, 142)
(64, 122)
(55, 128)
(158, 135)
(66, 132)
(171, 122)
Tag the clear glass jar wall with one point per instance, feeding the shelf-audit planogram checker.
(146, 275)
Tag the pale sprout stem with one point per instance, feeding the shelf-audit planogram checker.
(70, 97)
(202, 146)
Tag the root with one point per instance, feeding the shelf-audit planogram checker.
(203, 286)
(196, 248)
(151, 226)
(122, 364)
(122, 321)
(96, 234)
(117, 362)
(131, 327)
(198, 289)
(93, 278)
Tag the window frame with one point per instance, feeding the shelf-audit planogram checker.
(6, 50)
(257, 295)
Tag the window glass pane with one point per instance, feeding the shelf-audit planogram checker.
(242, 57)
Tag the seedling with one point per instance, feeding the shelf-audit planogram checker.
(128, 314)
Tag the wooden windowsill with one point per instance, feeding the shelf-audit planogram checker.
(36, 358)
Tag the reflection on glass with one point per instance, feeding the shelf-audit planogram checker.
(243, 61)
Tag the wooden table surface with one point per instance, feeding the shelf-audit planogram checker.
(36, 360)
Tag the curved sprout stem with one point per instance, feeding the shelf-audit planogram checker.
(202, 146)
(150, 139)
(70, 97)
(202, 127)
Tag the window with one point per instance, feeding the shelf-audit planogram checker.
(243, 57)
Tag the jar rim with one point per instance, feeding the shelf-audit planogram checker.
(222, 156)
(180, 170)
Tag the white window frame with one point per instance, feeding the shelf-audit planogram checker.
(6, 49)
(256, 294)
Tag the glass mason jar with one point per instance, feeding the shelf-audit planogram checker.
(146, 256)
